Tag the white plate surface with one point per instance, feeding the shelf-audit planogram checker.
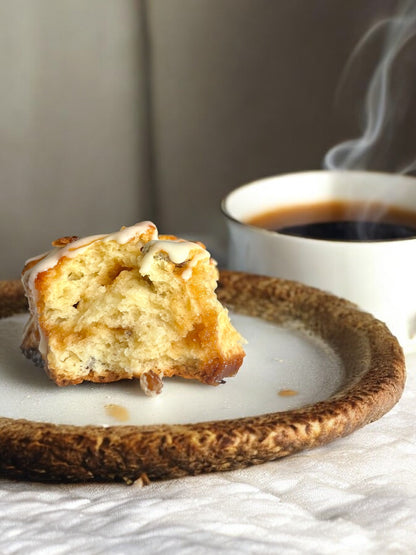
(278, 358)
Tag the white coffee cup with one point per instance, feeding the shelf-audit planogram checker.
(378, 276)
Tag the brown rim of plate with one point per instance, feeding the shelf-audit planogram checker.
(372, 357)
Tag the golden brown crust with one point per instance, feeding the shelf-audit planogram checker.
(376, 376)
(212, 372)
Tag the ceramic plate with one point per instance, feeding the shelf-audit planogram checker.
(316, 368)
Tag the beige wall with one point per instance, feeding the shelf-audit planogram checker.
(114, 111)
(72, 122)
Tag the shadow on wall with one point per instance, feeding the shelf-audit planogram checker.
(126, 110)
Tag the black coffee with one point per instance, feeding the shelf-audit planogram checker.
(351, 231)
(339, 220)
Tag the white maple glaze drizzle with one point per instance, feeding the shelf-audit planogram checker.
(178, 251)
(38, 257)
(51, 258)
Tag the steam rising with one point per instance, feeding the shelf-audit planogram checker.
(356, 153)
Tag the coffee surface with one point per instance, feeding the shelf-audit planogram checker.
(340, 221)
(351, 231)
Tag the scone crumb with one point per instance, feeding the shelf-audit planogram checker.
(142, 481)
(151, 383)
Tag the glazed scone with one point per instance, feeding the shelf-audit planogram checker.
(130, 304)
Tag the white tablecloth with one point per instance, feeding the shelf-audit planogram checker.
(356, 495)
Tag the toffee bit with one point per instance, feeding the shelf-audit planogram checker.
(63, 241)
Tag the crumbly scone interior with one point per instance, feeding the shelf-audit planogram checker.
(104, 314)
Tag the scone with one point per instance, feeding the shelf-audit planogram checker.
(130, 304)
